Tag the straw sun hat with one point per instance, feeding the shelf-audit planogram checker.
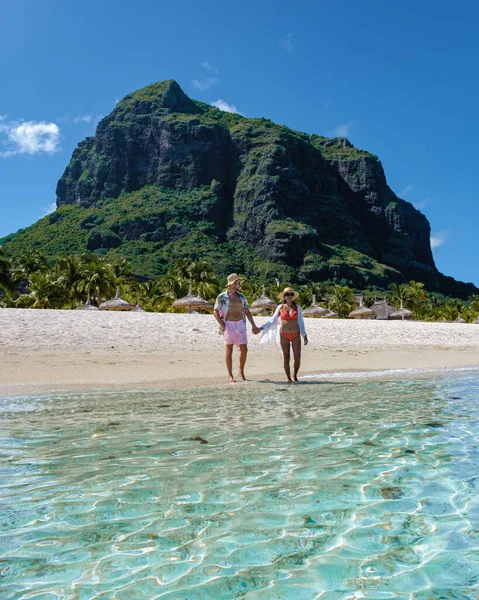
(233, 278)
(286, 291)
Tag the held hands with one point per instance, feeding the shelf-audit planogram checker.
(256, 329)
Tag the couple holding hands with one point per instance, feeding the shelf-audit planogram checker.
(286, 327)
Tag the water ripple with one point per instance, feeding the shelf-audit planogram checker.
(331, 491)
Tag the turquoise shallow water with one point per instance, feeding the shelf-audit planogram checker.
(257, 492)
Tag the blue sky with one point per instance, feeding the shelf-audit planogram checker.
(397, 79)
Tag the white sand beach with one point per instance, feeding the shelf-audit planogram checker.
(59, 350)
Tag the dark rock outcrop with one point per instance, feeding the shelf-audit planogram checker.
(317, 205)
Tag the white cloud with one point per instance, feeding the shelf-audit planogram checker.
(209, 67)
(82, 119)
(287, 42)
(204, 84)
(406, 190)
(344, 130)
(222, 105)
(29, 137)
(75, 119)
(49, 209)
(423, 203)
(438, 239)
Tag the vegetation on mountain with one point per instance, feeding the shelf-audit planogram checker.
(167, 178)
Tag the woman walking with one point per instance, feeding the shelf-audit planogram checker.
(286, 327)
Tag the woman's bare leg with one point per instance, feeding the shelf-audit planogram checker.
(242, 361)
(286, 356)
(296, 343)
(229, 362)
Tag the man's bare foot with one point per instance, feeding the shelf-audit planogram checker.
(231, 379)
(289, 380)
(295, 379)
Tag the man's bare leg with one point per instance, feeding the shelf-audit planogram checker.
(229, 362)
(286, 357)
(242, 361)
(296, 343)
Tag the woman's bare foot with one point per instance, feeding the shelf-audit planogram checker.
(241, 377)
(231, 379)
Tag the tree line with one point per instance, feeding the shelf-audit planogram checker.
(31, 281)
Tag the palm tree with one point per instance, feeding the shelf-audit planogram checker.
(170, 287)
(398, 294)
(6, 279)
(198, 273)
(122, 268)
(30, 262)
(41, 291)
(450, 310)
(9, 298)
(319, 289)
(342, 300)
(369, 297)
(474, 303)
(68, 273)
(417, 296)
(98, 277)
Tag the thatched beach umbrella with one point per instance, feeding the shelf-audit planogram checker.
(116, 303)
(87, 306)
(330, 314)
(314, 310)
(260, 312)
(362, 312)
(263, 303)
(460, 320)
(202, 303)
(402, 313)
(190, 302)
(382, 310)
(138, 308)
(476, 321)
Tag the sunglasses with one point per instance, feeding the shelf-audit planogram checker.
(289, 294)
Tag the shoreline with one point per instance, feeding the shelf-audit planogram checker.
(44, 351)
(220, 382)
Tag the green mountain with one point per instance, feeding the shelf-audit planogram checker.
(167, 177)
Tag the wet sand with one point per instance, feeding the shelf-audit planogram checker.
(57, 350)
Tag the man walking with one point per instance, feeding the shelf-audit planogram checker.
(231, 312)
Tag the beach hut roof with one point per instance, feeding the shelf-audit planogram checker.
(138, 308)
(402, 313)
(362, 312)
(87, 306)
(476, 321)
(261, 312)
(314, 310)
(116, 303)
(460, 320)
(330, 314)
(263, 302)
(382, 310)
(189, 301)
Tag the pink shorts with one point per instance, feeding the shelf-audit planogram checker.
(235, 333)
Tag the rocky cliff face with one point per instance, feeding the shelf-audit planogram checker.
(285, 197)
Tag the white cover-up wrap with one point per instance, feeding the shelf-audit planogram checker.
(272, 327)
